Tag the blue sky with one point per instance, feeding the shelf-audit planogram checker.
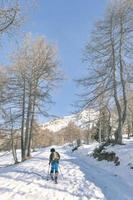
(68, 23)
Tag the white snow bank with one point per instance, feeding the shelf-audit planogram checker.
(117, 179)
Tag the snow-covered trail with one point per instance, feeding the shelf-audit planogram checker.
(81, 180)
(27, 181)
(111, 184)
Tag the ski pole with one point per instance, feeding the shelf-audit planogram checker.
(46, 165)
(48, 172)
(61, 172)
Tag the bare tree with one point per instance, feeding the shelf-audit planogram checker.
(9, 15)
(33, 76)
(106, 55)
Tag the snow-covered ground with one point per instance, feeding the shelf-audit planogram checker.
(81, 177)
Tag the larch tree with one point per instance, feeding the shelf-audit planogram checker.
(108, 57)
(35, 73)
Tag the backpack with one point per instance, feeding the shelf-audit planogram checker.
(55, 156)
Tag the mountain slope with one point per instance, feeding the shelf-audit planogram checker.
(80, 119)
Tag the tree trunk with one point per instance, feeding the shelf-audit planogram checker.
(118, 132)
(14, 153)
(100, 132)
(129, 129)
(32, 117)
(123, 83)
(22, 126)
(27, 128)
(31, 134)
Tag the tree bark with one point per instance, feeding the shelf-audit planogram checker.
(23, 125)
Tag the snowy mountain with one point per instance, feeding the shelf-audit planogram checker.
(84, 119)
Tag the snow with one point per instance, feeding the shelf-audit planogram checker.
(81, 176)
(116, 182)
(58, 124)
(79, 119)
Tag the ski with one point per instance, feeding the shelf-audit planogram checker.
(52, 180)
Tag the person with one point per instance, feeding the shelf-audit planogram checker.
(54, 161)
